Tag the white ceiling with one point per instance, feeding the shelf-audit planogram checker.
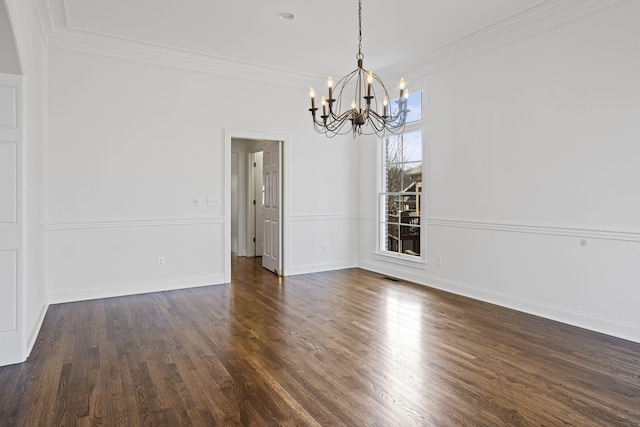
(321, 40)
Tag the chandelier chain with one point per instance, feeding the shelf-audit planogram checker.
(359, 55)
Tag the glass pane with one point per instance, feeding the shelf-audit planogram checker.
(409, 240)
(410, 213)
(412, 146)
(392, 209)
(393, 149)
(392, 238)
(411, 176)
(414, 105)
(394, 178)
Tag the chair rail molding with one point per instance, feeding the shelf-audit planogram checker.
(58, 225)
(629, 236)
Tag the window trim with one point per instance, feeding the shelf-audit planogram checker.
(395, 257)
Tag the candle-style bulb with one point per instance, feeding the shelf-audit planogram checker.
(406, 94)
(370, 77)
(330, 82)
(401, 83)
(386, 101)
(324, 101)
(312, 93)
(353, 104)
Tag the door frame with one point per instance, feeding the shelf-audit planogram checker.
(285, 149)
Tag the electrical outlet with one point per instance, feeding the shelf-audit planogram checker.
(197, 202)
(161, 261)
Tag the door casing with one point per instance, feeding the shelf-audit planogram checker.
(285, 147)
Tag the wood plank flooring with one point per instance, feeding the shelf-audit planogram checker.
(342, 348)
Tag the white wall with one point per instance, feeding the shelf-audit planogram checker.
(131, 145)
(532, 176)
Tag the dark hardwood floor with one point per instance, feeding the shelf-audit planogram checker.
(339, 348)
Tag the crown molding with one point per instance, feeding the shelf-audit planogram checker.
(104, 45)
(539, 19)
(44, 16)
(61, 35)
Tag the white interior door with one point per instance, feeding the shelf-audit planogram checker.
(10, 224)
(272, 181)
(258, 196)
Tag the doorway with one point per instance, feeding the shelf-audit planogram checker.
(255, 207)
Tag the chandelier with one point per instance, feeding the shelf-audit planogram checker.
(365, 116)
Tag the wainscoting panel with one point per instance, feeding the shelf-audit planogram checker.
(11, 224)
(329, 243)
(8, 291)
(587, 278)
(99, 259)
(8, 110)
(8, 181)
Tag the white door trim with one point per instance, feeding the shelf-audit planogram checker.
(229, 134)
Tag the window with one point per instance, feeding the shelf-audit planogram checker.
(400, 190)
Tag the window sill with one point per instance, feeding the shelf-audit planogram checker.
(413, 262)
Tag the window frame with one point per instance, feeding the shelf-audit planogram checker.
(418, 261)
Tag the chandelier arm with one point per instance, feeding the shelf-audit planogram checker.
(333, 131)
(338, 123)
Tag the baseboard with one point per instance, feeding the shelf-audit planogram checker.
(396, 271)
(318, 268)
(33, 334)
(9, 362)
(124, 289)
(612, 327)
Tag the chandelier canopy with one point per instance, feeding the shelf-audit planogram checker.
(365, 116)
